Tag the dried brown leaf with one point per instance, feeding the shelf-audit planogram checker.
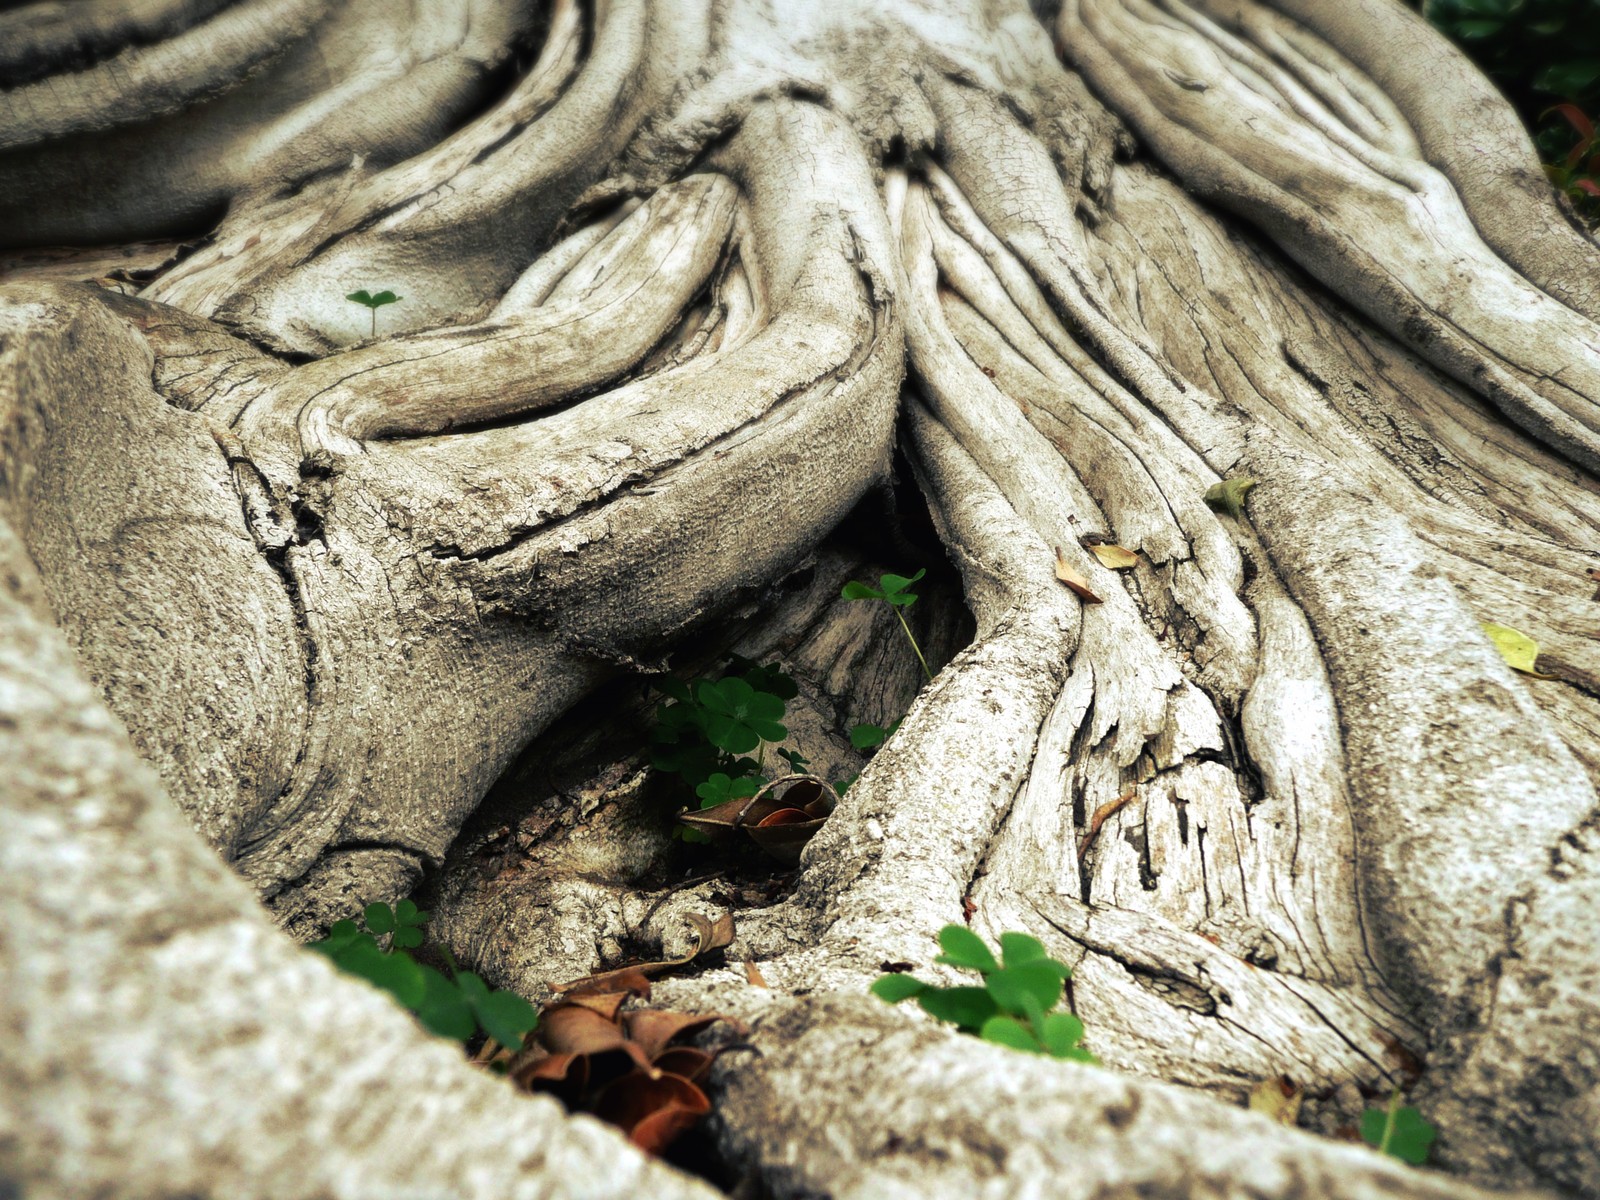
(653, 1029)
(753, 974)
(1117, 558)
(1073, 578)
(686, 1061)
(1099, 818)
(648, 1099)
(632, 980)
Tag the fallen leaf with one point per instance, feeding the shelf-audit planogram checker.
(1069, 575)
(631, 980)
(780, 822)
(1277, 1098)
(1594, 574)
(652, 1029)
(1228, 496)
(753, 974)
(1099, 818)
(1519, 650)
(1118, 558)
(634, 978)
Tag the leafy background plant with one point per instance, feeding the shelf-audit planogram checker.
(1545, 56)
(1014, 1006)
(456, 1006)
(723, 737)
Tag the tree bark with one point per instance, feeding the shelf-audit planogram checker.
(700, 304)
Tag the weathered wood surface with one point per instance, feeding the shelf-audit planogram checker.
(679, 278)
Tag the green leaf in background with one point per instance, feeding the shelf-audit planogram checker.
(1008, 1031)
(865, 737)
(1398, 1130)
(1019, 948)
(965, 1007)
(506, 1017)
(443, 1008)
(379, 918)
(1029, 990)
(1061, 1033)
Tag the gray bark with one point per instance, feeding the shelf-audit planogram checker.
(678, 278)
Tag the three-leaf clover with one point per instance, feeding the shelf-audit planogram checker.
(405, 921)
(895, 591)
(1012, 1007)
(892, 589)
(739, 718)
(454, 1008)
(719, 789)
(374, 303)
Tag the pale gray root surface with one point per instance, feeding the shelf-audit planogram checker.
(677, 281)
(161, 1039)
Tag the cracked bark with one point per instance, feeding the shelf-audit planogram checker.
(679, 278)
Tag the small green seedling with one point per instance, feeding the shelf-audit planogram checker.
(1398, 1130)
(1014, 1005)
(374, 303)
(895, 591)
(455, 1006)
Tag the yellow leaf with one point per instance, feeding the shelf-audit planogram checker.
(1069, 575)
(1228, 496)
(1118, 558)
(1278, 1099)
(1519, 650)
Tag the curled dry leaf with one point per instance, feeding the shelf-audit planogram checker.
(1117, 558)
(634, 979)
(1073, 578)
(626, 1068)
(780, 822)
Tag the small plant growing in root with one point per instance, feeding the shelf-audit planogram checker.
(895, 591)
(722, 738)
(1014, 1006)
(374, 303)
(456, 1006)
(1398, 1130)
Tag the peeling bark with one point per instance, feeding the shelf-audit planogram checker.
(679, 282)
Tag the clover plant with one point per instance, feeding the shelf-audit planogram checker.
(895, 591)
(455, 1006)
(716, 734)
(1014, 1006)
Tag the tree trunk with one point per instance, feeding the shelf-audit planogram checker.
(683, 286)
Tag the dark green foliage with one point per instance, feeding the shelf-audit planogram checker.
(1012, 1007)
(892, 589)
(455, 1007)
(706, 732)
(1539, 52)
